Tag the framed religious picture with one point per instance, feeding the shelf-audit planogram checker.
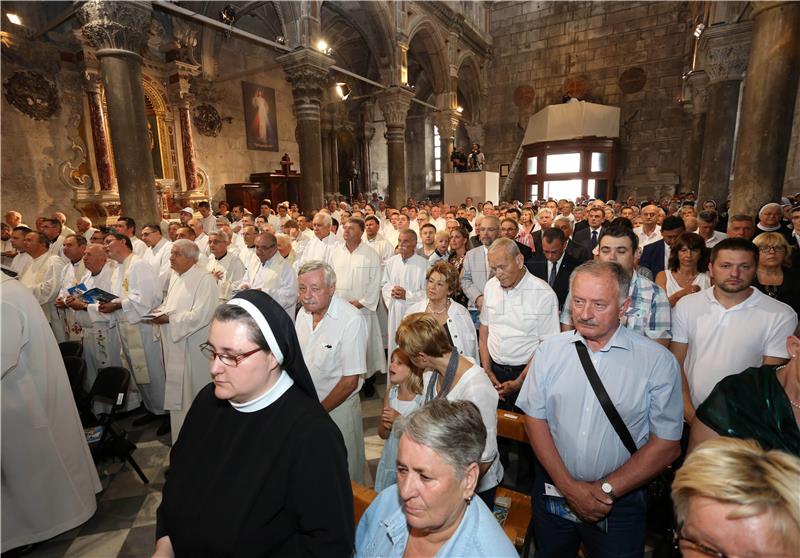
(260, 117)
(504, 168)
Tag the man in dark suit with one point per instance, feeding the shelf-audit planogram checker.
(589, 236)
(553, 264)
(655, 255)
(510, 229)
(577, 251)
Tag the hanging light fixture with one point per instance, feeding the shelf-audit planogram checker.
(343, 90)
(228, 15)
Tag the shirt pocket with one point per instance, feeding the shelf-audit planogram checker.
(327, 357)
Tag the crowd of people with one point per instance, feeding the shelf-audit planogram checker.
(627, 333)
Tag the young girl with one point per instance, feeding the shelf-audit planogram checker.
(403, 396)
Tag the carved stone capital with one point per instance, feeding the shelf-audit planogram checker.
(697, 87)
(447, 122)
(180, 76)
(307, 70)
(394, 103)
(116, 25)
(725, 51)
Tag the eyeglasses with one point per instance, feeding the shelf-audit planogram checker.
(227, 360)
(774, 249)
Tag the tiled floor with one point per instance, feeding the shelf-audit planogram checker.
(125, 522)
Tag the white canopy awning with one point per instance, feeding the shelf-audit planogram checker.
(572, 120)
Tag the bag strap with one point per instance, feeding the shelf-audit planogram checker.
(605, 401)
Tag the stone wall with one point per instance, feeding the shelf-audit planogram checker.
(546, 49)
(791, 183)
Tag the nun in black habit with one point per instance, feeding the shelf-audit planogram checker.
(259, 468)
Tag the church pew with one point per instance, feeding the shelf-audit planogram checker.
(512, 426)
(362, 498)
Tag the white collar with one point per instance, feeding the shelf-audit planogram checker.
(268, 397)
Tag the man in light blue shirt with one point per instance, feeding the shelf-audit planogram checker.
(589, 488)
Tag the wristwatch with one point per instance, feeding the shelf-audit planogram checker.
(606, 487)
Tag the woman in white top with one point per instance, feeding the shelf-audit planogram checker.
(443, 281)
(684, 275)
(454, 377)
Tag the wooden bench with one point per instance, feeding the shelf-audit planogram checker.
(362, 498)
(512, 426)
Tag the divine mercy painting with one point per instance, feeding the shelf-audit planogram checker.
(260, 117)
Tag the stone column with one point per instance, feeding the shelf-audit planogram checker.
(97, 121)
(307, 71)
(696, 107)
(447, 123)
(326, 124)
(724, 51)
(767, 106)
(395, 102)
(119, 32)
(187, 144)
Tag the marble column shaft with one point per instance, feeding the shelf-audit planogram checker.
(724, 51)
(102, 151)
(187, 144)
(118, 30)
(394, 103)
(307, 71)
(767, 106)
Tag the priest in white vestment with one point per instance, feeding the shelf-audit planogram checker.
(135, 283)
(226, 268)
(358, 281)
(49, 479)
(22, 259)
(101, 344)
(319, 247)
(403, 282)
(127, 226)
(271, 273)
(184, 319)
(157, 253)
(71, 276)
(43, 277)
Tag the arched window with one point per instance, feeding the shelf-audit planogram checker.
(437, 156)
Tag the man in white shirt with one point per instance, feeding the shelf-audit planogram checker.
(127, 226)
(227, 268)
(476, 266)
(725, 329)
(650, 231)
(706, 228)
(54, 232)
(271, 273)
(249, 235)
(43, 277)
(358, 281)
(157, 253)
(436, 218)
(333, 338)
(208, 220)
(22, 259)
(375, 240)
(403, 283)
(519, 311)
(320, 246)
(184, 319)
(84, 226)
(71, 275)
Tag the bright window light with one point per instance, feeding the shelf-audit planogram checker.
(14, 18)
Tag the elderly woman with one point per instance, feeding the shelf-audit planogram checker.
(732, 498)
(685, 273)
(259, 469)
(431, 511)
(443, 282)
(454, 377)
(776, 277)
(760, 403)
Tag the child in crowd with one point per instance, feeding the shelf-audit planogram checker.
(441, 242)
(403, 395)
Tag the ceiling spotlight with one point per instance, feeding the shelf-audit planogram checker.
(14, 18)
(280, 39)
(459, 109)
(228, 15)
(699, 30)
(343, 90)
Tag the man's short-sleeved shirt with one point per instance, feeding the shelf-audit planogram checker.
(728, 341)
(336, 347)
(518, 318)
(642, 379)
(649, 313)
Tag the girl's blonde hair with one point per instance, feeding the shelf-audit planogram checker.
(414, 380)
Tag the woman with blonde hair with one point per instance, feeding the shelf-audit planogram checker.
(732, 498)
(776, 277)
(453, 377)
(443, 282)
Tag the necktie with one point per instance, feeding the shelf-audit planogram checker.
(553, 270)
(594, 239)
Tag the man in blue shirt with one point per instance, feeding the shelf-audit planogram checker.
(589, 488)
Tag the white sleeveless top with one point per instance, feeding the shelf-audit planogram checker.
(673, 287)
